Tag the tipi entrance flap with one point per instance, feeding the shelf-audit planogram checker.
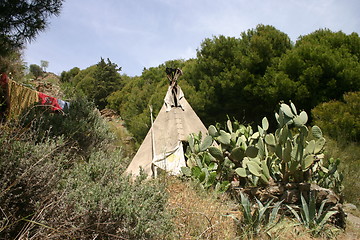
(171, 161)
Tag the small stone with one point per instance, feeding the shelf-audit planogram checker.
(349, 207)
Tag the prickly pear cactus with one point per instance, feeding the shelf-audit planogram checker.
(290, 154)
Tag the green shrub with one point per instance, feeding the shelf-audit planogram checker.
(341, 120)
(29, 173)
(81, 125)
(107, 204)
(61, 179)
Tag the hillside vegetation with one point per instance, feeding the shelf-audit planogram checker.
(62, 173)
(246, 77)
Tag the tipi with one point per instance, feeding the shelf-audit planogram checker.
(163, 145)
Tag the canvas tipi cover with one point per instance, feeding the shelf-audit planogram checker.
(162, 147)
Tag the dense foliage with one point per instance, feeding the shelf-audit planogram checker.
(340, 119)
(249, 75)
(81, 125)
(36, 70)
(53, 189)
(96, 82)
(232, 70)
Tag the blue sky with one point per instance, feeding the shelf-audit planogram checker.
(145, 33)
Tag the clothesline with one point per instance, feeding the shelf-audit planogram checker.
(19, 97)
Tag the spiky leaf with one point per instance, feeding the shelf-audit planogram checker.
(277, 118)
(261, 130)
(301, 119)
(255, 135)
(191, 162)
(284, 134)
(307, 161)
(257, 160)
(224, 137)
(265, 169)
(319, 145)
(191, 143)
(264, 179)
(287, 151)
(270, 139)
(279, 151)
(310, 147)
(293, 108)
(241, 142)
(229, 126)
(245, 161)
(262, 148)
(304, 117)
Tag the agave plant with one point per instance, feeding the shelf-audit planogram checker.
(260, 217)
(310, 217)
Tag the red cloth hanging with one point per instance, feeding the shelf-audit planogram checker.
(4, 80)
(47, 100)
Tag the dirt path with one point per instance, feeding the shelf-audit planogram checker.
(353, 220)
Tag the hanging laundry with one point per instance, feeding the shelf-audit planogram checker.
(19, 98)
(63, 104)
(4, 80)
(51, 101)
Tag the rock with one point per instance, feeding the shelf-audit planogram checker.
(339, 218)
(324, 193)
(349, 207)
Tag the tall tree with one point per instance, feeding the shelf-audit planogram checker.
(99, 83)
(44, 65)
(322, 66)
(228, 69)
(36, 70)
(22, 20)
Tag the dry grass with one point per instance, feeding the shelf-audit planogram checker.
(203, 215)
(199, 215)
